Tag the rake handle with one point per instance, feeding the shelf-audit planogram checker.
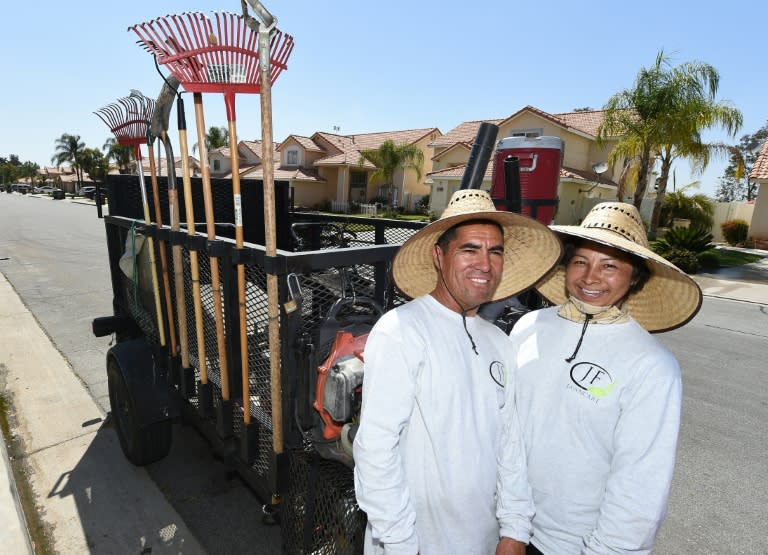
(194, 264)
(210, 225)
(273, 309)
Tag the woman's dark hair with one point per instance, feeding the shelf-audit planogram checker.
(640, 272)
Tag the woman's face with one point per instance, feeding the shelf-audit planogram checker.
(598, 275)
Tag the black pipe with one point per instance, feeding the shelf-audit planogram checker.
(479, 156)
(512, 184)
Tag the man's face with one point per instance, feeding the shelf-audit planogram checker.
(469, 269)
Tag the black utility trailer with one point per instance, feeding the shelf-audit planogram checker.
(333, 273)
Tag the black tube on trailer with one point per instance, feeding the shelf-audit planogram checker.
(479, 156)
(512, 184)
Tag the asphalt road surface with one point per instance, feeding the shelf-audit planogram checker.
(54, 254)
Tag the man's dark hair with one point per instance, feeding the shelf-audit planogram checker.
(640, 272)
(450, 233)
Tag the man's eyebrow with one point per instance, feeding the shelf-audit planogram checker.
(472, 245)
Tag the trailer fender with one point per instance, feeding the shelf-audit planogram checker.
(147, 383)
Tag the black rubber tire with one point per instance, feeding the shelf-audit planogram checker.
(141, 445)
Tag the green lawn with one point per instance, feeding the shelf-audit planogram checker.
(727, 257)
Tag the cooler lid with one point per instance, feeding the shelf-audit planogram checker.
(530, 142)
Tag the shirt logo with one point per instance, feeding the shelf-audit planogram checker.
(593, 379)
(496, 370)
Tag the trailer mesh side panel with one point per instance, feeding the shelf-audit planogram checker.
(259, 373)
(208, 317)
(319, 513)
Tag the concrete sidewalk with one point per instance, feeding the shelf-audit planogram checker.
(91, 497)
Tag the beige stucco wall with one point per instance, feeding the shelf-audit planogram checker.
(725, 211)
(758, 229)
(225, 166)
(311, 193)
(442, 189)
(411, 184)
(453, 157)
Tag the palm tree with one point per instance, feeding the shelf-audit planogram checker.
(635, 115)
(69, 148)
(693, 87)
(216, 137)
(698, 208)
(30, 170)
(663, 115)
(121, 155)
(389, 157)
(95, 164)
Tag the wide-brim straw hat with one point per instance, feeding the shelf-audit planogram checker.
(531, 250)
(668, 300)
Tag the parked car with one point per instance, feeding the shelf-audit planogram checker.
(89, 191)
(46, 190)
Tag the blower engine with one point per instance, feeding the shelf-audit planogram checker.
(338, 388)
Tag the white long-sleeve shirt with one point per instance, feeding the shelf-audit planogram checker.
(600, 432)
(425, 453)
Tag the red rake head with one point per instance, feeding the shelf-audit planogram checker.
(212, 55)
(128, 118)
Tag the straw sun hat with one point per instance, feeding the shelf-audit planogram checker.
(667, 301)
(531, 250)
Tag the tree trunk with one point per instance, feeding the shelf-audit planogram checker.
(642, 178)
(661, 191)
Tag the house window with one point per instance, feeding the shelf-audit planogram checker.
(216, 164)
(358, 185)
(292, 157)
(530, 133)
(358, 179)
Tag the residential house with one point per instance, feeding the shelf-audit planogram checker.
(758, 228)
(580, 187)
(326, 169)
(62, 177)
(161, 167)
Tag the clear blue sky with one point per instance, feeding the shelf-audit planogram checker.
(368, 66)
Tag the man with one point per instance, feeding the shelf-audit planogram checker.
(434, 387)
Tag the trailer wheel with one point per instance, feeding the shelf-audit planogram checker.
(141, 445)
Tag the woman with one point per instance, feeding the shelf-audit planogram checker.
(598, 397)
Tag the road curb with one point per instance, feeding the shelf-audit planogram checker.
(13, 525)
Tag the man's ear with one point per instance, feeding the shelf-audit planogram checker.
(437, 254)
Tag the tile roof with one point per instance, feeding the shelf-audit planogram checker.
(305, 142)
(586, 175)
(349, 146)
(458, 171)
(255, 146)
(463, 133)
(281, 172)
(586, 122)
(760, 169)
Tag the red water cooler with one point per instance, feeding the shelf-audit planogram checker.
(539, 160)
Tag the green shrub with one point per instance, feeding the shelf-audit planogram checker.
(694, 239)
(683, 259)
(708, 260)
(735, 231)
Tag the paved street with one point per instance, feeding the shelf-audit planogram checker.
(54, 255)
